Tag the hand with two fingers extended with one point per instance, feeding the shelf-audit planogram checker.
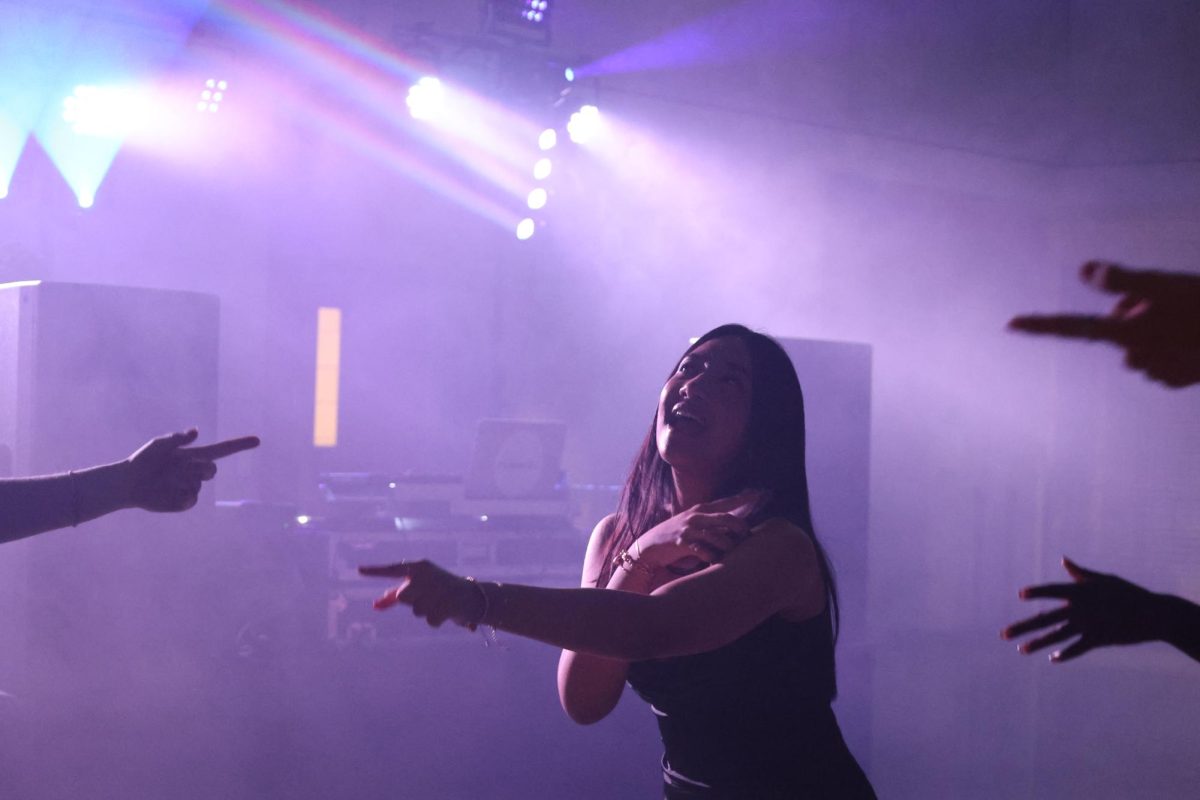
(433, 593)
(165, 475)
(700, 535)
(1100, 610)
(1156, 320)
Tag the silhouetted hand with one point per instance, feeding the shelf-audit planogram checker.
(1100, 610)
(165, 475)
(1156, 320)
(431, 592)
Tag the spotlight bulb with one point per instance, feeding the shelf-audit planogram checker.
(105, 111)
(585, 125)
(426, 98)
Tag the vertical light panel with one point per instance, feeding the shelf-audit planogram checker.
(329, 358)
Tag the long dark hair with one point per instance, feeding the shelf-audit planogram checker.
(772, 458)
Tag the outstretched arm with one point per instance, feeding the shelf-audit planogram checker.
(34, 505)
(773, 570)
(1156, 320)
(163, 475)
(1103, 610)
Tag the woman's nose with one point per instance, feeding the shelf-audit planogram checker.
(694, 386)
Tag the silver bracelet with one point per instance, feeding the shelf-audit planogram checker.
(487, 605)
(485, 628)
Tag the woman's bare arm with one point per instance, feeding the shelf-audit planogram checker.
(589, 686)
(775, 570)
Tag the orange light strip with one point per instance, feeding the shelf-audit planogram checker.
(329, 361)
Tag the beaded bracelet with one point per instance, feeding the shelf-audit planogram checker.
(628, 563)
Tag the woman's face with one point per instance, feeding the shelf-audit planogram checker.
(704, 408)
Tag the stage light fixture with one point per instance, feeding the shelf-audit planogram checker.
(527, 19)
(585, 124)
(526, 228)
(534, 10)
(104, 111)
(569, 74)
(547, 139)
(426, 98)
(211, 95)
(541, 169)
(537, 199)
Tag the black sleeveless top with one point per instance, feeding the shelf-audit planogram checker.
(752, 719)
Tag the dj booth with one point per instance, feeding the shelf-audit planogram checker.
(465, 525)
(506, 519)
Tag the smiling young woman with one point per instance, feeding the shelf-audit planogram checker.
(706, 591)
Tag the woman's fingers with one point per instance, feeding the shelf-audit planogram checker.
(431, 594)
(703, 551)
(400, 569)
(393, 596)
(707, 544)
(730, 523)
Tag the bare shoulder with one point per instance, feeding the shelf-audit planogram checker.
(792, 551)
(604, 532)
(597, 547)
(785, 533)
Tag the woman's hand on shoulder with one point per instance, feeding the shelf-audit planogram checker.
(700, 535)
(775, 570)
